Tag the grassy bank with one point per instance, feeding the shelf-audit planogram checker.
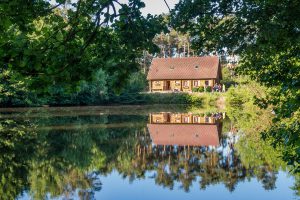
(199, 99)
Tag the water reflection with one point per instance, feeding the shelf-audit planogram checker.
(65, 156)
(184, 129)
(186, 146)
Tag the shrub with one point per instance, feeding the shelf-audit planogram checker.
(195, 90)
(208, 89)
(201, 89)
(194, 99)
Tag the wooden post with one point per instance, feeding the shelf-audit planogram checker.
(180, 85)
(150, 86)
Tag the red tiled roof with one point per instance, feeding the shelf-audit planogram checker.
(181, 135)
(184, 68)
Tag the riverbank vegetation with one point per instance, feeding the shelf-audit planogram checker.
(98, 92)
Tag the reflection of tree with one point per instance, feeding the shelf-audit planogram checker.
(16, 150)
(62, 168)
(183, 164)
(296, 186)
(256, 152)
(67, 162)
(48, 162)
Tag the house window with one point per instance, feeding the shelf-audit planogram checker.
(196, 119)
(196, 83)
(177, 83)
(157, 83)
(206, 119)
(206, 83)
(186, 83)
(186, 119)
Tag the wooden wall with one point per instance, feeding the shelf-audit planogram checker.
(179, 85)
(174, 118)
(175, 85)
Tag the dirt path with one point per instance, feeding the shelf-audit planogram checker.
(221, 102)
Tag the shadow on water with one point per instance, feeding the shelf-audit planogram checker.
(63, 152)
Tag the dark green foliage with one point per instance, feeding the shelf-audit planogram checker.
(266, 36)
(208, 89)
(93, 92)
(15, 91)
(137, 83)
(158, 98)
(63, 45)
(195, 89)
(198, 89)
(201, 89)
(17, 147)
(98, 91)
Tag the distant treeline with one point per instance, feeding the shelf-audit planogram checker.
(96, 92)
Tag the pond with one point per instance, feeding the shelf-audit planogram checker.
(135, 152)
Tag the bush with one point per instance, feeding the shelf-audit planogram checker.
(195, 90)
(158, 98)
(198, 89)
(201, 89)
(208, 89)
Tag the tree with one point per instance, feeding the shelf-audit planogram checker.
(266, 35)
(67, 42)
(173, 44)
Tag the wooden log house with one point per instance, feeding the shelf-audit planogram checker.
(183, 74)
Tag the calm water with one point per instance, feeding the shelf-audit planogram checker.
(135, 153)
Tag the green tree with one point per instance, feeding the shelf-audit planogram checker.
(266, 36)
(67, 42)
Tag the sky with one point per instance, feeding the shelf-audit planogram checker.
(154, 7)
(157, 6)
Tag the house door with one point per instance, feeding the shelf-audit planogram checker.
(167, 85)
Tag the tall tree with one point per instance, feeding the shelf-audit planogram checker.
(266, 34)
(69, 41)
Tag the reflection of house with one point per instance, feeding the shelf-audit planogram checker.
(184, 129)
(184, 134)
(181, 118)
(183, 74)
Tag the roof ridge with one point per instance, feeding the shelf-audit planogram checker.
(186, 57)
